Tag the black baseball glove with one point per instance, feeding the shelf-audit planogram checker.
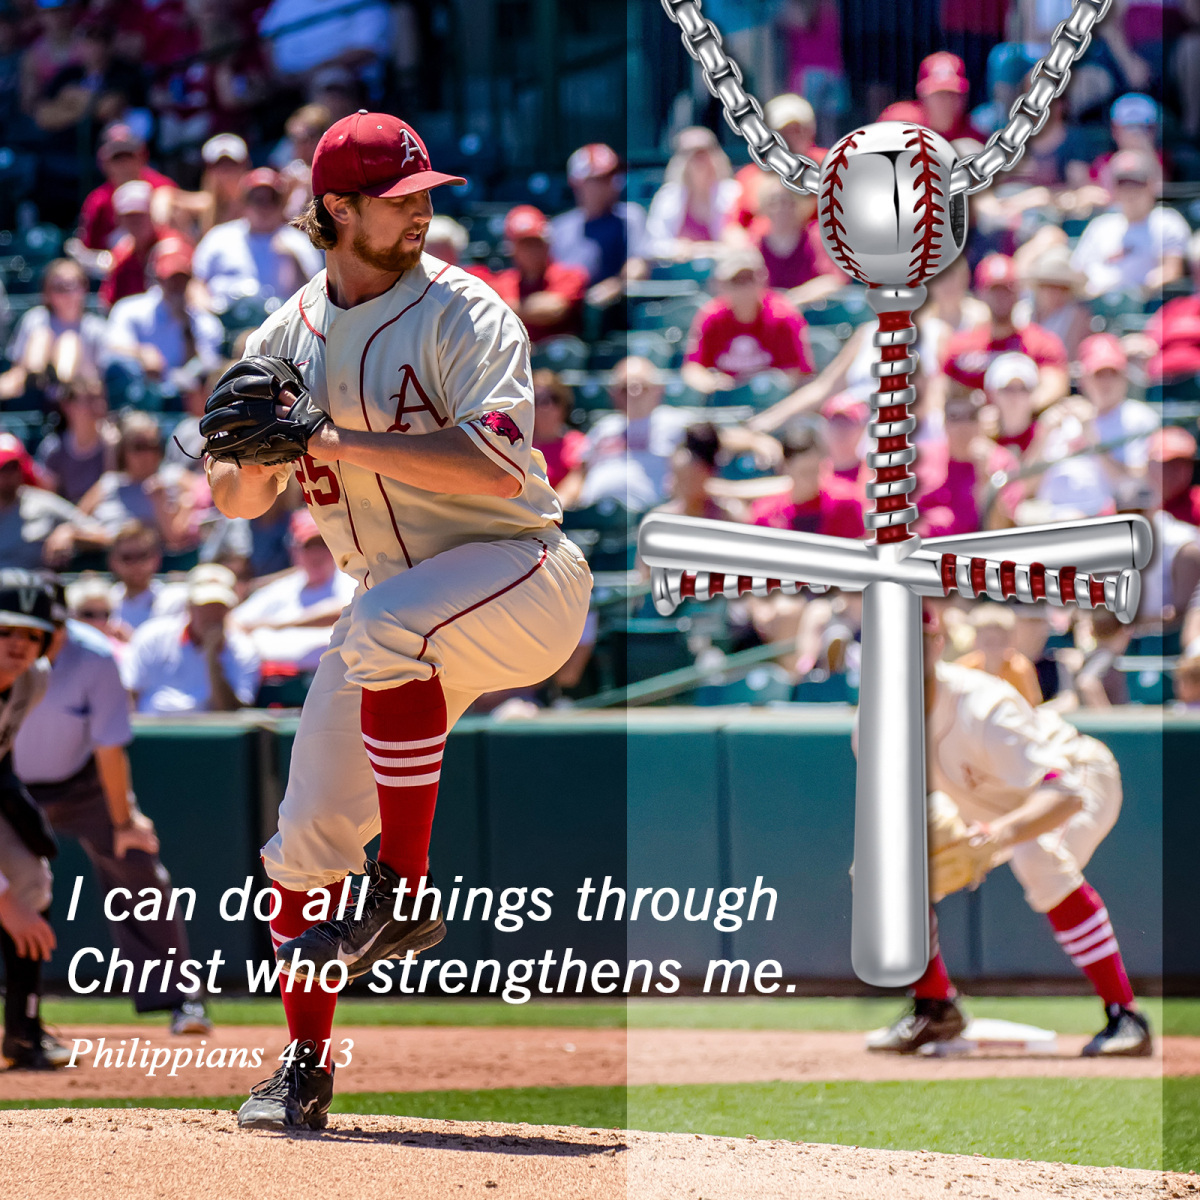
(241, 422)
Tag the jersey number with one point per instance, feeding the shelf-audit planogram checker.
(323, 488)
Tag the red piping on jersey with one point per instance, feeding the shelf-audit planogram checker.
(304, 317)
(362, 400)
(350, 518)
(508, 587)
(500, 453)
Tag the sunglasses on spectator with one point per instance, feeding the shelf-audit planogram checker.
(962, 414)
(1127, 182)
(132, 556)
(117, 155)
(65, 285)
(743, 279)
(93, 614)
(144, 446)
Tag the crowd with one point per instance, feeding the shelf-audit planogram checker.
(698, 351)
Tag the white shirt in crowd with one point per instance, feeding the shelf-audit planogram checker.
(169, 674)
(158, 600)
(1127, 418)
(570, 244)
(91, 331)
(145, 320)
(288, 599)
(631, 460)
(1115, 255)
(234, 262)
(300, 40)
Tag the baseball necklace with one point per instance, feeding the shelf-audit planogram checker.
(892, 213)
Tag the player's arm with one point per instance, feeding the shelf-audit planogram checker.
(1047, 809)
(445, 461)
(242, 491)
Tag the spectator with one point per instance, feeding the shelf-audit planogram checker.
(968, 355)
(954, 474)
(601, 233)
(289, 619)
(38, 528)
(793, 119)
(71, 753)
(790, 244)
(54, 48)
(1010, 383)
(160, 331)
(122, 157)
(694, 467)
(195, 386)
(994, 651)
(306, 34)
(76, 456)
(259, 254)
(1058, 306)
(562, 448)
(951, 309)
(143, 488)
(446, 239)
(1134, 121)
(295, 154)
(55, 341)
(546, 295)
(941, 103)
(813, 32)
(196, 661)
(1140, 247)
(89, 601)
(1098, 683)
(131, 255)
(135, 558)
(1007, 65)
(845, 428)
(1171, 455)
(1104, 381)
(1175, 328)
(337, 90)
(1185, 681)
(219, 200)
(745, 331)
(628, 452)
(696, 200)
(817, 500)
(1171, 577)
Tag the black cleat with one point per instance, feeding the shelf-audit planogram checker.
(929, 1021)
(33, 1049)
(297, 1096)
(377, 935)
(190, 1017)
(1127, 1035)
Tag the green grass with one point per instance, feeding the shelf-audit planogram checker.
(263, 1010)
(1181, 1123)
(1065, 1014)
(1100, 1122)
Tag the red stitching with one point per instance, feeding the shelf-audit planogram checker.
(927, 247)
(304, 317)
(837, 162)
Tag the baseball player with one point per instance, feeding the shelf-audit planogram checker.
(410, 397)
(70, 753)
(1023, 787)
(26, 843)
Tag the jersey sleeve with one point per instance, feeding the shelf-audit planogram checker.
(109, 703)
(484, 358)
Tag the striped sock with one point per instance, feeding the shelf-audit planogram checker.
(1083, 930)
(404, 731)
(935, 984)
(309, 1014)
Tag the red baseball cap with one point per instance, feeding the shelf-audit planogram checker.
(996, 270)
(593, 161)
(262, 177)
(525, 221)
(845, 404)
(1101, 351)
(375, 154)
(12, 450)
(942, 72)
(172, 256)
(302, 527)
(1170, 442)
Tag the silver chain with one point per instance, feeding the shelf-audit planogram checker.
(1004, 149)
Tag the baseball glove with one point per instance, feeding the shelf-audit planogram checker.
(956, 861)
(241, 422)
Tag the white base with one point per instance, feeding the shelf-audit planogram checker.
(988, 1033)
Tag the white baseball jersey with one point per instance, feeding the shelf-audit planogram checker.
(989, 750)
(440, 348)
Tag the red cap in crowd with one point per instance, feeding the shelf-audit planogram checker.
(525, 221)
(375, 154)
(1170, 442)
(845, 404)
(593, 161)
(942, 72)
(118, 137)
(1180, 337)
(12, 450)
(995, 270)
(1101, 351)
(302, 527)
(172, 256)
(262, 177)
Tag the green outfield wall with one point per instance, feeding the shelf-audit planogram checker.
(661, 799)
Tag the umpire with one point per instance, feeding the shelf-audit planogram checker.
(70, 753)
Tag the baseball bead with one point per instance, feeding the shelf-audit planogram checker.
(884, 206)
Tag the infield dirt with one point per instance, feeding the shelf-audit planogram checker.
(157, 1154)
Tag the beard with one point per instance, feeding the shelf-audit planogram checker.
(389, 258)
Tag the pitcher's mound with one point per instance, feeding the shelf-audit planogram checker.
(191, 1154)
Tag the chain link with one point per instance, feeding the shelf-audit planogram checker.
(1004, 149)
